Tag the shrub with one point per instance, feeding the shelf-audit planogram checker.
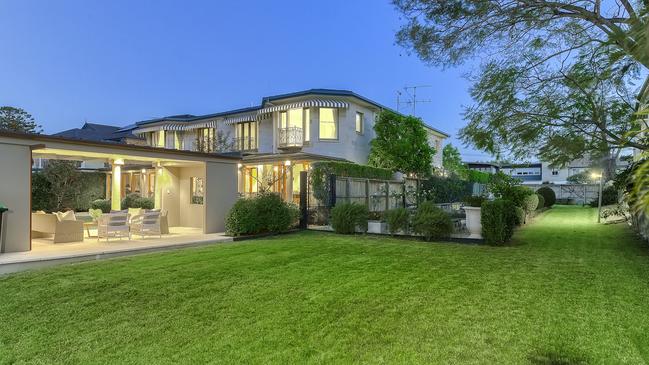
(548, 195)
(265, 213)
(398, 220)
(41, 196)
(530, 203)
(520, 215)
(474, 201)
(431, 222)
(346, 217)
(144, 203)
(242, 218)
(498, 220)
(609, 196)
(541, 204)
(102, 204)
(275, 214)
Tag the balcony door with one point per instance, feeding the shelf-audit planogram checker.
(246, 136)
(294, 127)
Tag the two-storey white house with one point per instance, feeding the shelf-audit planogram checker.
(281, 136)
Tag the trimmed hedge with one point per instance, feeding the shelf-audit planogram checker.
(541, 204)
(135, 200)
(398, 219)
(548, 195)
(431, 222)
(531, 203)
(347, 217)
(264, 213)
(498, 219)
(320, 170)
(103, 204)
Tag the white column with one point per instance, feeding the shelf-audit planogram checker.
(116, 185)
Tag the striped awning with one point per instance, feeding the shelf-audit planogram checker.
(320, 103)
(205, 124)
(160, 127)
(240, 119)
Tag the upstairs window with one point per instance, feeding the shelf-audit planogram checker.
(359, 122)
(297, 118)
(328, 127)
(246, 136)
(204, 139)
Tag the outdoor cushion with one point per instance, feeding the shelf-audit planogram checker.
(67, 216)
(134, 211)
(95, 213)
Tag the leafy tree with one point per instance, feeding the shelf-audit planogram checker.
(64, 181)
(401, 144)
(452, 161)
(220, 142)
(557, 75)
(448, 32)
(17, 120)
(583, 177)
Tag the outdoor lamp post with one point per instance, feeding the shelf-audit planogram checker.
(599, 204)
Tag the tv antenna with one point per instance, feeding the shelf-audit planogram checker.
(411, 92)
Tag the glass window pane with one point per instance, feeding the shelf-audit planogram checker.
(295, 118)
(359, 122)
(328, 128)
(307, 124)
(282, 119)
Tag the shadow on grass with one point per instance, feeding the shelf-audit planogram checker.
(556, 358)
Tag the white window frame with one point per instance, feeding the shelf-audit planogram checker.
(336, 122)
(360, 127)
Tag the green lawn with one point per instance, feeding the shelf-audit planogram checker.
(566, 291)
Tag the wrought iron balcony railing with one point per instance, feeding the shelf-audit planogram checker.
(291, 137)
(245, 144)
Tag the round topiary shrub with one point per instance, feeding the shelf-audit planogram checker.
(520, 215)
(548, 195)
(431, 222)
(541, 204)
(530, 203)
(102, 204)
(347, 217)
(265, 213)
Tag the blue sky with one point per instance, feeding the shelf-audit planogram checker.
(116, 62)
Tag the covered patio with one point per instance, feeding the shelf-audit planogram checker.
(192, 190)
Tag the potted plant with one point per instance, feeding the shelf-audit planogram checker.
(472, 209)
(376, 223)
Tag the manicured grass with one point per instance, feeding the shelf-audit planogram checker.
(566, 291)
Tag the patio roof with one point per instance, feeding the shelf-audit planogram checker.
(60, 146)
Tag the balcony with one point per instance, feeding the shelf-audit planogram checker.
(244, 144)
(291, 137)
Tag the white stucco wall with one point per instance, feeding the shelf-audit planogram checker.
(191, 215)
(220, 194)
(15, 193)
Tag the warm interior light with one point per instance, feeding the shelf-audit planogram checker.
(239, 165)
(287, 163)
(118, 161)
(144, 171)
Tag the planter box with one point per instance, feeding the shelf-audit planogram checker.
(377, 227)
(474, 222)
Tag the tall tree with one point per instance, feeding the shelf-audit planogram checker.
(551, 74)
(452, 160)
(401, 144)
(17, 120)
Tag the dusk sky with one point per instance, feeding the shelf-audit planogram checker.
(117, 62)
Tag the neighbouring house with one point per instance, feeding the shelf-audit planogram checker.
(487, 167)
(280, 137)
(539, 172)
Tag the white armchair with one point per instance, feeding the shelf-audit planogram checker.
(113, 225)
(146, 224)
